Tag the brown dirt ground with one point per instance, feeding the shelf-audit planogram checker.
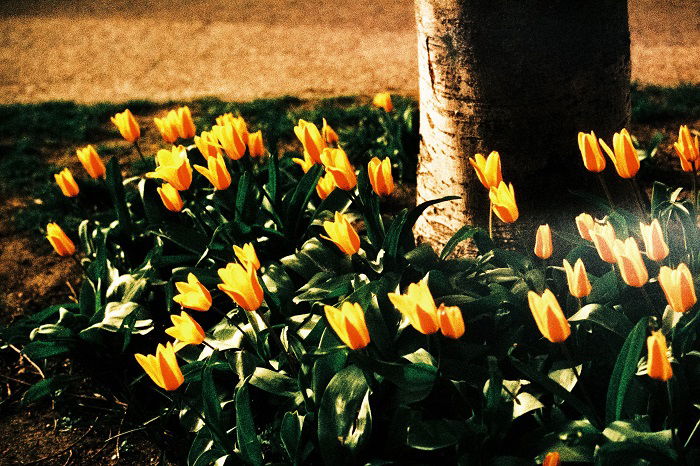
(240, 50)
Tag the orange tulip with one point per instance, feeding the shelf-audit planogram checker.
(230, 138)
(247, 256)
(336, 162)
(348, 323)
(654, 243)
(341, 232)
(167, 127)
(61, 243)
(624, 155)
(311, 139)
(603, 237)
(593, 158)
(585, 224)
(242, 285)
(208, 144)
(192, 294)
(451, 321)
(552, 459)
(162, 367)
(688, 150)
(418, 306)
(543, 242)
(238, 123)
(658, 365)
(170, 197)
(383, 100)
(174, 167)
(330, 136)
(577, 279)
(216, 172)
(185, 330)
(488, 170)
(183, 122)
(127, 125)
(380, 176)
(678, 287)
(256, 148)
(548, 316)
(67, 183)
(629, 259)
(91, 162)
(325, 185)
(503, 202)
(306, 163)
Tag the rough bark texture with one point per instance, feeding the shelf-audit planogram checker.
(521, 77)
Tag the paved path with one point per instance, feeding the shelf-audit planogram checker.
(242, 49)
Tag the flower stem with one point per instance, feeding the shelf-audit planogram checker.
(638, 197)
(491, 219)
(605, 190)
(138, 150)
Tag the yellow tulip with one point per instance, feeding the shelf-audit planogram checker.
(603, 237)
(230, 139)
(678, 287)
(336, 162)
(577, 279)
(208, 144)
(348, 323)
(329, 135)
(242, 285)
(162, 367)
(67, 183)
(451, 321)
(418, 306)
(325, 185)
(256, 148)
(185, 330)
(91, 162)
(167, 127)
(127, 125)
(585, 225)
(380, 176)
(311, 139)
(548, 316)
(247, 256)
(623, 154)
(488, 170)
(61, 243)
(593, 158)
(174, 167)
(654, 243)
(629, 259)
(341, 232)
(183, 122)
(552, 459)
(192, 294)
(383, 100)
(687, 149)
(658, 365)
(306, 163)
(216, 172)
(238, 124)
(170, 197)
(503, 202)
(543, 242)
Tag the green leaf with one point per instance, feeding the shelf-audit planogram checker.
(393, 235)
(466, 232)
(273, 175)
(415, 381)
(370, 210)
(115, 186)
(296, 202)
(152, 205)
(212, 408)
(38, 350)
(273, 382)
(325, 285)
(248, 442)
(45, 388)
(291, 436)
(605, 316)
(434, 434)
(246, 200)
(627, 444)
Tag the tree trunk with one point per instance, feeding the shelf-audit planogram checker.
(521, 77)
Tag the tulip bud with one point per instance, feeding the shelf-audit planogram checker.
(67, 183)
(230, 139)
(184, 124)
(383, 100)
(503, 202)
(577, 279)
(678, 287)
(341, 232)
(91, 162)
(311, 139)
(629, 259)
(658, 365)
(325, 185)
(167, 127)
(624, 155)
(242, 285)
(174, 167)
(585, 224)
(192, 294)
(348, 323)
(603, 237)
(654, 243)
(247, 256)
(256, 148)
(208, 144)
(488, 170)
(185, 330)
(217, 173)
(418, 306)
(127, 125)
(593, 158)
(336, 162)
(330, 136)
(552, 459)
(162, 367)
(548, 316)
(543, 242)
(380, 178)
(170, 197)
(688, 150)
(306, 163)
(451, 321)
(61, 243)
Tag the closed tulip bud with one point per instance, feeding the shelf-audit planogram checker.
(230, 139)
(603, 237)
(451, 321)
(380, 176)
(418, 306)
(91, 162)
(61, 243)
(503, 202)
(383, 100)
(162, 367)
(256, 148)
(247, 256)
(238, 123)
(488, 170)
(192, 294)
(127, 125)
(658, 365)
(654, 243)
(306, 163)
(629, 259)
(216, 172)
(325, 185)
(678, 287)
(174, 167)
(184, 124)
(185, 330)
(167, 127)
(170, 197)
(687, 149)
(330, 136)
(311, 139)
(548, 316)
(242, 285)
(593, 158)
(623, 154)
(341, 232)
(577, 279)
(336, 162)
(543, 242)
(552, 459)
(208, 144)
(67, 183)
(348, 323)
(585, 224)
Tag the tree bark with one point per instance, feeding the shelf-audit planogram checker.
(521, 77)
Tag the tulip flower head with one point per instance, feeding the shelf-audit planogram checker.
(91, 162)
(658, 365)
(247, 256)
(585, 224)
(242, 285)
(256, 148)
(418, 306)
(548, 316)
(383, 100)
(380, 177)
(329, 135)
(552, 459)
(65, 181)
(208, 144)
(577, 279)
(167, 127)
(543, 242)
(654, 243)
(230, 138)
(306, 163)
(488, 170)
(61, 243)
(623, 154)
(238, 123)
(185, 330)
(325, 185)
(171, 197)
(678, 287)
(337, 163)
(630, 261)
(603, 237)
(192, 294)
(348, 323)
(216, 172)
(342, 233)
(503, 202)
(311, 139)
(127, 125)
(451, 321)
(183, 122)
(593, 158)
(174, 167)
(162, 367)
(687, 149)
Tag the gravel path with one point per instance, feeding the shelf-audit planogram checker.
(242, 49)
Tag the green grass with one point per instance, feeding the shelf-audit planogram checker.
(656, 104)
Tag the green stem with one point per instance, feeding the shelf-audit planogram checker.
(292, 361)
(574, 368)
(138, 149)
(674, 430)
(695, 184)
(638, 197)
(648, 299)
(491, 219)
(605, 190)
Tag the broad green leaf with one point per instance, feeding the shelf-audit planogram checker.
(434, 434)
(625, 369)
(115, 186)
(464, 233)
(248, 442)
(605, 316)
